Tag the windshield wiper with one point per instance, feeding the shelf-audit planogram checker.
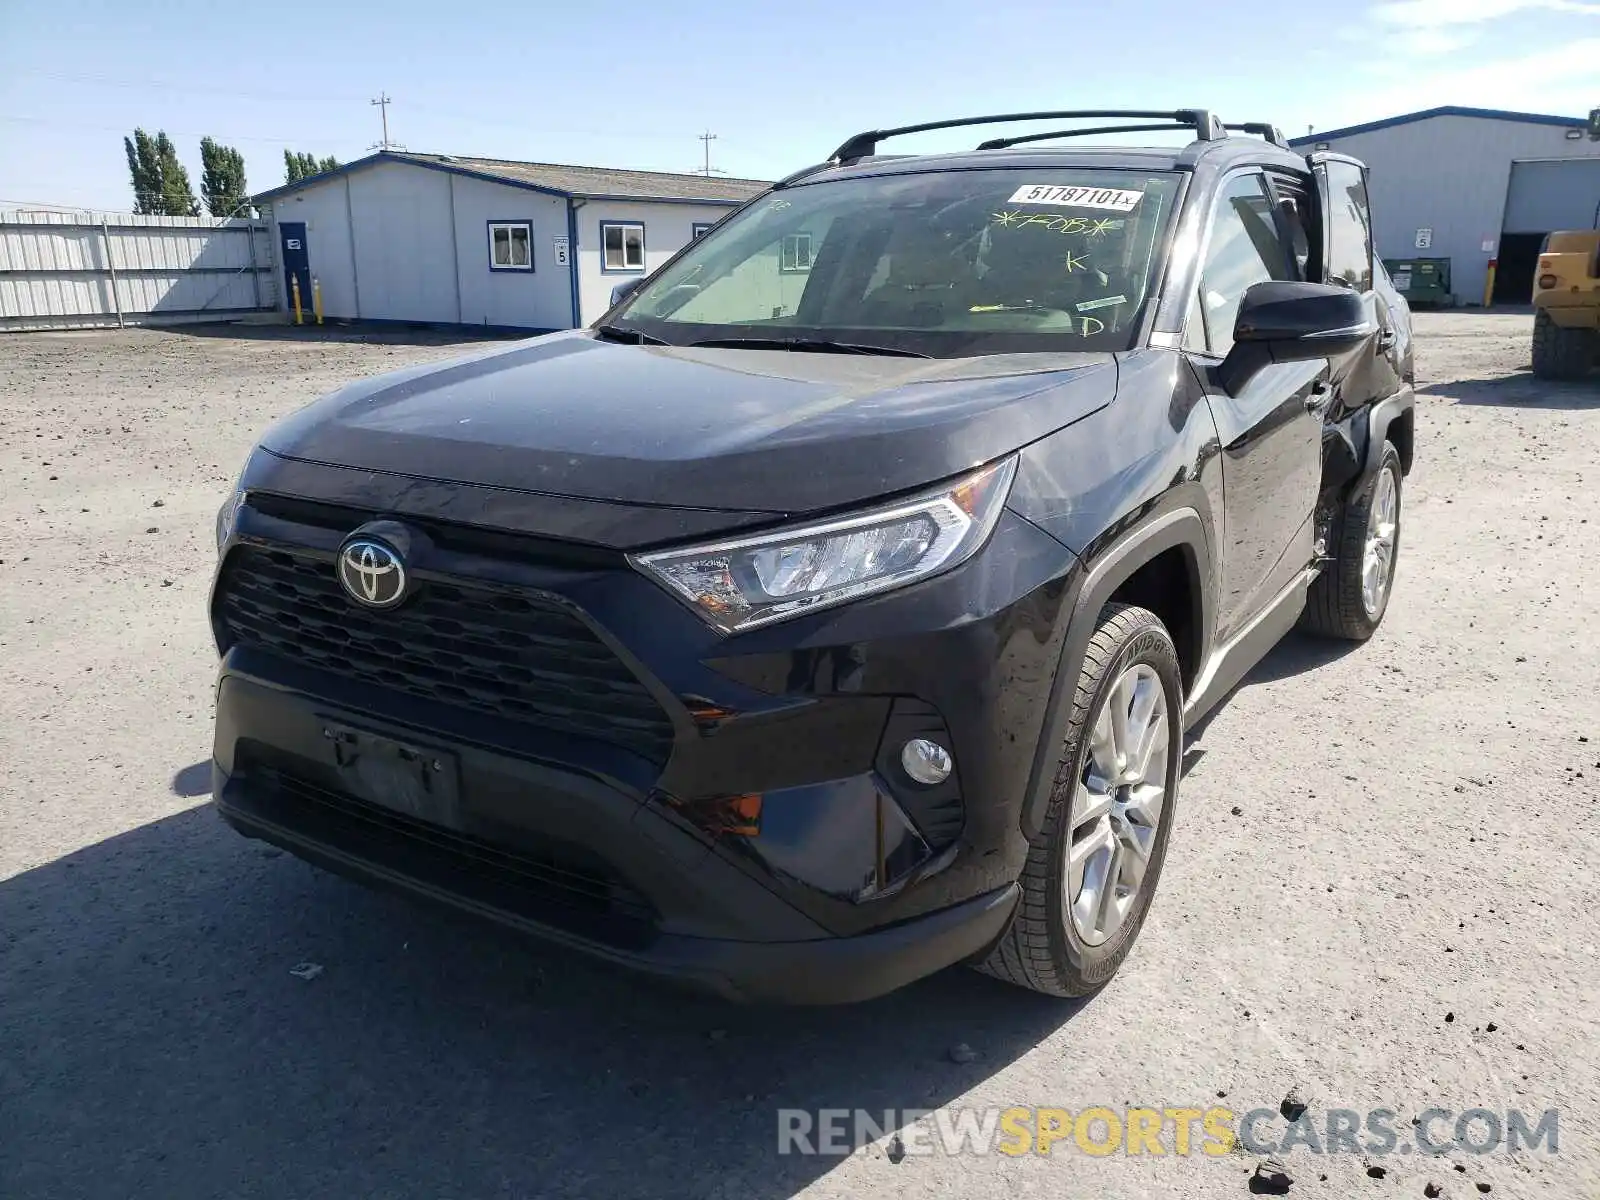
(808, 345)
(631, 337)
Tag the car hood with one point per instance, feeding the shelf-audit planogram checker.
(724, 429)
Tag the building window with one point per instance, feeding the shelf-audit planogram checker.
(699, 229)
(510, 246)
(622, 246)
(795, 253)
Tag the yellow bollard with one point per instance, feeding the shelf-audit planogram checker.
(1488, 284)
(316, 298)
(294, 291)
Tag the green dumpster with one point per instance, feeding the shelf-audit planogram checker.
(1420, 280)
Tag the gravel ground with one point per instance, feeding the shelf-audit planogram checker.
(1382, 889)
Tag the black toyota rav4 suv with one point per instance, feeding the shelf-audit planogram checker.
(832, 611)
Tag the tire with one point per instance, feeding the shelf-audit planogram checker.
(1045, 948)
(1561, 354)
(1339, 604)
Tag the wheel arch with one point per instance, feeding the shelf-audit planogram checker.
(1392, 420)
(1139, 567)
(1402, 432)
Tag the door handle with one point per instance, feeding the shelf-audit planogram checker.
(1385, 340)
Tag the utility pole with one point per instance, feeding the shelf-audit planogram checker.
(708, 137)
(383, 103)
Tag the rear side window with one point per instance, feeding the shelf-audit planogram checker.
(1244, 249)
(1344, 199)
(1297, 219)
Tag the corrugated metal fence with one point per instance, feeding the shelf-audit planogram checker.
(75, 270)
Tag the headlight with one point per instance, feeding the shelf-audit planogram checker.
(225, 516)
(752, 581)
(230, 506)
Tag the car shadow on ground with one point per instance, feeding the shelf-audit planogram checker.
(1521, 390)
(1296, 654)
(364, 333)
(156, 1042)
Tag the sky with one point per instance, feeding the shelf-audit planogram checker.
(628, 84)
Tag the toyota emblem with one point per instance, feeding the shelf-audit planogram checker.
(372, 573)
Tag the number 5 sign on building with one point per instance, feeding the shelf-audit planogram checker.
(561, 250)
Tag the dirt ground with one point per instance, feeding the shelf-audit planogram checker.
(1383, 886)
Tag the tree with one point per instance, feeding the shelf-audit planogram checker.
(160, 182)
(145, 170)
(177, 197)
(222, 179)
(298, 166)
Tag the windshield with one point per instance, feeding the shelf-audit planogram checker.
(948, 264)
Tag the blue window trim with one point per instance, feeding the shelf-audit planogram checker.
(572, 263)
(488, 233)
(698, 229)
(643, 247)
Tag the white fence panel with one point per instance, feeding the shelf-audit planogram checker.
(70, 270)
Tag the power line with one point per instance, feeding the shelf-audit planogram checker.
(122, 129)
(194, 88)
(472, 118)
(49, 206)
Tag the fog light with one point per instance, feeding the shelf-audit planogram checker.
(925, 761)
(1548, 281)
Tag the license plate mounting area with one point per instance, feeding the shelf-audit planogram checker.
(416, 781)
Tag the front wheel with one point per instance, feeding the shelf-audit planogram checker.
(1092, 870)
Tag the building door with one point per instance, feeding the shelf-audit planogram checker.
(1544, 196)
(1515, 266)
(296, 263)
(1553, 194)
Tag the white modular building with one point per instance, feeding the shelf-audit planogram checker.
(438, 239)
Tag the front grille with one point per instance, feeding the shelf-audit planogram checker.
(554, 883)
(446, 535)
(512, 652)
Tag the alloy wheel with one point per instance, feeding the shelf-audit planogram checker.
(1118, 805)
(1383, 524)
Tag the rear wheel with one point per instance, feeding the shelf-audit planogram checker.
(1349, 598)
(1562, 353)
(1092, 870)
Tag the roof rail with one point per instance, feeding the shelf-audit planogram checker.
(1007, 143)
(797, 176)
(1262, 129)
(1206, 127)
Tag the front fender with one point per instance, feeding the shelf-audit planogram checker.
(1180, 527)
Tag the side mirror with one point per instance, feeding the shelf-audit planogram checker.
(1293, 322)
(623, 290)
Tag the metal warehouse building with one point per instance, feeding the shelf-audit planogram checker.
(1471, 185)
(472, 241)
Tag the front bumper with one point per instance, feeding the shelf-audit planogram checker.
(834, 881)
(818, 970)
